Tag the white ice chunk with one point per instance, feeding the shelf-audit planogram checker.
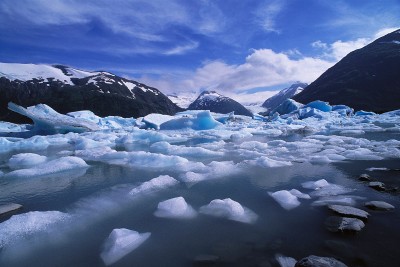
(51, 167)
(340, 200)
(285, 261)
(315, 184)
(155, 184)
(230, 209)
(26, 225)
(299, 194)
(120, 243)
(271, 163)
(25, 160)
(154, 120)
(214, 170)
(176, 208)
(285, 199)
(166, 148)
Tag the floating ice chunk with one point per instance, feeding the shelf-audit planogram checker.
(26, 225)
(352, 132)
(25, 160)
(166, 148)
(285, 199)
(267, 162)
(285, 261)
(299, 194)
(320, 105)
(33, 143)
(230, 209)
(287, 106)
(155, 184)
(8, 127)
(339, 200)
(213, 170)
(377, 169)
(86, 115)
(202, 121)
(364, 113)
(51, 167)
(315, 184)
(361, 154)
(176, 208)
(320, 159)
(47, 119)
(154, 120)
(331, 190)
(120, 243)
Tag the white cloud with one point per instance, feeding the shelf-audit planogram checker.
(339, 49)
(182, 49)
(267, 15)
(262, 68)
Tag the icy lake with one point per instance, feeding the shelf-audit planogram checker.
(200, 187)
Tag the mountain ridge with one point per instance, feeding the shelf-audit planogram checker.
(67, 89)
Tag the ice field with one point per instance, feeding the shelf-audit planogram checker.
(174, 190)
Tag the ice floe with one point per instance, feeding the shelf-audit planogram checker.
(25, 160)
(160, 182)
(175, 208)
(120, 243)
(229, 209)
(285, 199)
(59, 165)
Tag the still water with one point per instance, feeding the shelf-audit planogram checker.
(98, 199)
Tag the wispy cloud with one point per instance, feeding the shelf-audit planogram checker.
(182, 49)
(267, 13)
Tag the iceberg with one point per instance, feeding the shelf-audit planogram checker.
(175, 208)
(155, 184)
(154, 120)
(201, 121)
(229, 209)
(120, 243)
(287, 106)
(285, 199)
(48, 120)
(319, 105)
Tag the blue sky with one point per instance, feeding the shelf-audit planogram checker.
(234, 46)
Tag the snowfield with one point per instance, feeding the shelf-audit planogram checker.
(175, 154)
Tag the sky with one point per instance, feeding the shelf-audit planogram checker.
(237, 47)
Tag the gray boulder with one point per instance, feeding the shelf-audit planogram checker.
(315, 261)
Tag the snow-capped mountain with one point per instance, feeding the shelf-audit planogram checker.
(183, 99)
(274, 101)
(67, 89)
(365, 79)
(211, 100)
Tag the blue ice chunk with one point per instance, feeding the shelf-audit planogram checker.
(48, 120)
(201, 121)
(287, 106)
(364, 113)
(320, 105)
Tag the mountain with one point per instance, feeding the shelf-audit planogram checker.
(211, 100)
(277, 99)
(365, 79)
(67, 89)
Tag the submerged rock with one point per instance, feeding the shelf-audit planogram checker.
(343, 224)
(377, 186)
(349, 211)
(364, 177)
(6, 208)
(379, 205)
(315, 261)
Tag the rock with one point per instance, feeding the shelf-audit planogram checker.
(349, 211)
(379, 205)
(364, 177)
(315, 261)
(205, 259)
(344, 224)
(6, 208)
(377, 186)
